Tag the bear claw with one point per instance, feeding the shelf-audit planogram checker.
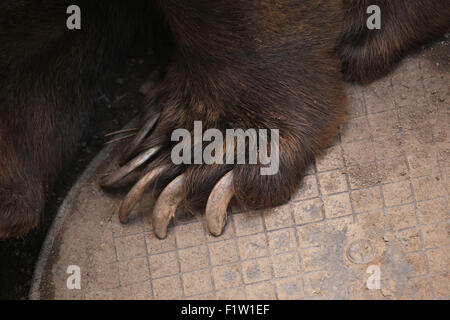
(136, 192)
(216, 208)
(112, 179)
(166, 206)
(172, 195)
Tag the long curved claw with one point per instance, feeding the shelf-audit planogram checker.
(140, 136)
(136, 192)
(166, 206)
(216, 208)
(112, 179)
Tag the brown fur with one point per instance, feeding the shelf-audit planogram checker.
(235, 64)
(50, 77)
(368, 55)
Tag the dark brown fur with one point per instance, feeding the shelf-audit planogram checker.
(235, 64)
(49, 79)
(368, 55)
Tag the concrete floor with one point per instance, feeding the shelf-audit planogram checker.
(376, 201)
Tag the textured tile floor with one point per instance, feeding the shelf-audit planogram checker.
(376, 200)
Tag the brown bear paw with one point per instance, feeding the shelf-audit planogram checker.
(265, 176)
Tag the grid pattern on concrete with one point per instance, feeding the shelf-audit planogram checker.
(377, 197)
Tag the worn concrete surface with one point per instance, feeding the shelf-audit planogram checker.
(377, 200)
